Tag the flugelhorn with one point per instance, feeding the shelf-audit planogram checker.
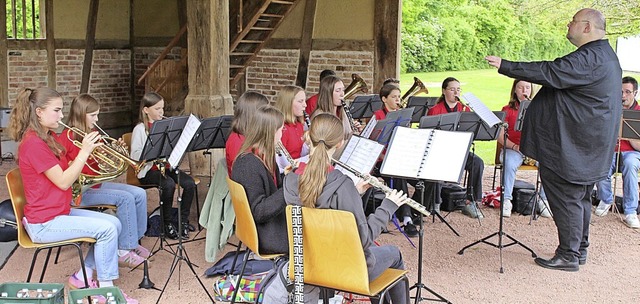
(357, 84)
(417, 88)
(377, 184)
(111, 158)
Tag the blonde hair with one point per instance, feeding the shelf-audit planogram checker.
(24, 117)
(245, 108)
(260, 139)
(325, 133)
(148, 100)
(82, 105)
(284, 103)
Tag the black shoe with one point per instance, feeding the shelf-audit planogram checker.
(191, 228)
(583, 258)
(410, 230)
(185, 230)
(559, 263)
(170, 231)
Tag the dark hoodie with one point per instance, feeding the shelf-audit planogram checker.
(340, 193)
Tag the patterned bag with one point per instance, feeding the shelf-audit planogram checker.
(249, 287)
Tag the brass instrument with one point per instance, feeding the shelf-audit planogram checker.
(529, 161)
(377, 184)
(352, 123)
(357, 84)
(417, 88)
(281, 150)
(112, 159)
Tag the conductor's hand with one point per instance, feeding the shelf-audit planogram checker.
(397, 196)
(494, 61)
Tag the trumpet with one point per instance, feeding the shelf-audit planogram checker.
(417, 88)
(112, 159)
(377, 184)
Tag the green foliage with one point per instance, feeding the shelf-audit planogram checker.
(27, 21)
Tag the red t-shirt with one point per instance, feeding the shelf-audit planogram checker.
(511, 117)
(443, 108)
(292, 138)
(232, 148)
(45, 200)
(73, 150)
(625, 146)
(312, 104)
(381, 113)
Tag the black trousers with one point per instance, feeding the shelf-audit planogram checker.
(571, 207)
(475, 168)
(168, 185)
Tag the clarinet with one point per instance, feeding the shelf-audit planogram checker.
(307, 120)
(377, 184)
(349, 117)
(283, 151)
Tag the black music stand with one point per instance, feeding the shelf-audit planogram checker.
(500, 233)
(162, 135)
(446, 122)
(179, 146)
(420, 105)
(629, 130)
(522, 111)
(363, 106)
(384, 128)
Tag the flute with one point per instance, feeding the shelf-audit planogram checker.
(283, 151)
(376, 183)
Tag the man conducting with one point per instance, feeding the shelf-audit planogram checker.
(571, 127)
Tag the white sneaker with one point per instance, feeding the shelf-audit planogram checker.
(603, 208)
(543, 207)
(506, 209)
(632, 221)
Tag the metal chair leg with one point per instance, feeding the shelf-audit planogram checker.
(57, 255)
(244, 264)
(46, 263)
(33, 263)
(84, 268)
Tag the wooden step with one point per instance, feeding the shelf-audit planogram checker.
(259, 28)
(240, 54)
(251, 41)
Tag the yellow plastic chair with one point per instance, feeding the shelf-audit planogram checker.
(18, 200)
(245, 228)
(333, 256)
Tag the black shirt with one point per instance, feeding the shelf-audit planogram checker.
(572, 123)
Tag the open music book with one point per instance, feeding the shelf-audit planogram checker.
(361, 154)
(427, 154)
(192, 125)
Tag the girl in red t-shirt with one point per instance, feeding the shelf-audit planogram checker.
(131, 201)
(291, 102)
(47, 179)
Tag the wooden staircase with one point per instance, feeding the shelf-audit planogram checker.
(251, 24)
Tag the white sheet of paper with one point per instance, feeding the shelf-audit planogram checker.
(405, 155)
(360, 154)
(366, 132)
(446, 157)
(193, 123)
(485, 114)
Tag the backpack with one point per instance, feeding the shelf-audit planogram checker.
(248, 288)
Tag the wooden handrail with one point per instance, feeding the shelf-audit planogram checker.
(164, 53)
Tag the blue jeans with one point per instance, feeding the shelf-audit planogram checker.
(630, 164)
(102, 256)
(131, 204)
(511, 165)
(389, 256)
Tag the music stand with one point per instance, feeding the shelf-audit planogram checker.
(471, 122)
(446, 122)
(629, 130)
(363, 106)
(420, 105)
(384, 128)
(522, 111)
(179, 146)
(492, 121)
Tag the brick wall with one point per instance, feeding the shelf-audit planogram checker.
(275, 68)
(27, 69)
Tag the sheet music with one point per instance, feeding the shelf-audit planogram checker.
(360, 154)
(366, 132)
(427, 154)
(447, 152)
(193, 123)
(485, 114)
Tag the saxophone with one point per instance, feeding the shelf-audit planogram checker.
(283, 151)
(377, 184)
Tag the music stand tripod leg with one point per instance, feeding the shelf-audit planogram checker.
(181, 254)
(419, 286)
(500, 233)
(434, 213)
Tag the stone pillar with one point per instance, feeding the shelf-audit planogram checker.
(208, 47)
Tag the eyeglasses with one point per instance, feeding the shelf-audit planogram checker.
(628, 92)
(453, 90)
